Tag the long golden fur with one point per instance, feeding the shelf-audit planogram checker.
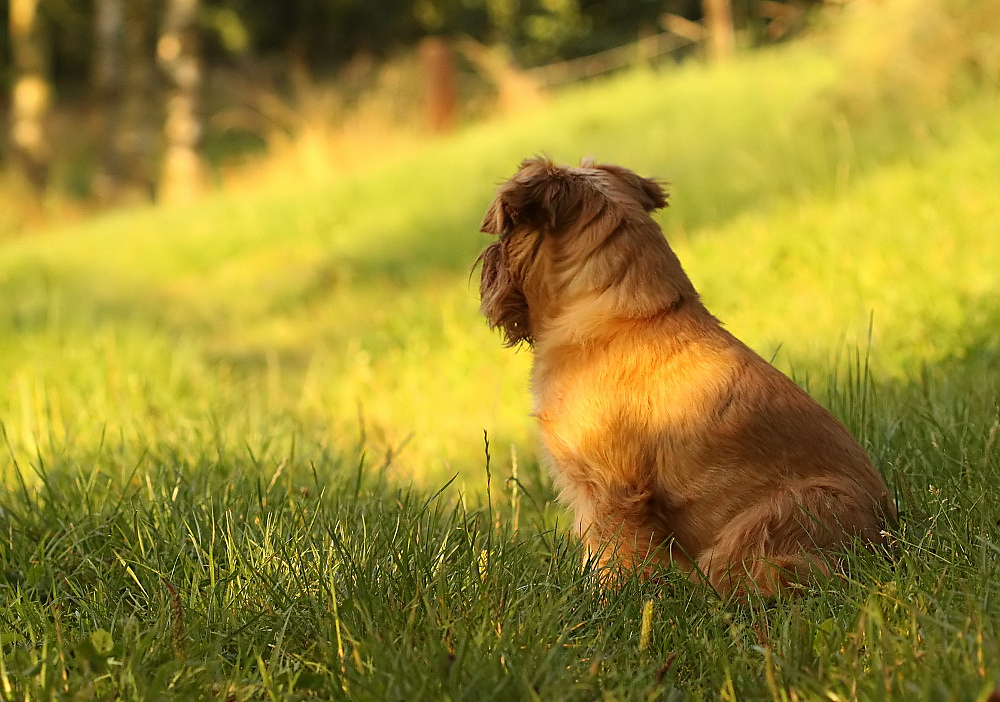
(669, 438)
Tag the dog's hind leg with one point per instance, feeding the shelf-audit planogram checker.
(778, 542)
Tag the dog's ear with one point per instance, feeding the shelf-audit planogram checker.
(496, 220)
(648, 191)
(541, 195)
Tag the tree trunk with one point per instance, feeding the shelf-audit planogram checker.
(721, 36)
(183, 173)
(31, 91)
(438, 59)
(139, 114)
(107, 79)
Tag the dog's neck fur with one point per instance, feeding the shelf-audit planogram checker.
(636, 277)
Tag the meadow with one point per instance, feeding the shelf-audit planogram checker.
(264, 447)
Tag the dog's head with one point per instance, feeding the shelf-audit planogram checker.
(546, 218)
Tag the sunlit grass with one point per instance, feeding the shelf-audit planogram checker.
(283, 567)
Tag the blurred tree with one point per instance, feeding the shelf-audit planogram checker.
(123, 74)
(438, 58)
(31, 91)
(550, 28)
(542, 31)
(56, 44)
(183, 171)
(327, 33)
(139, 104)
(5, 65)
(69, 27)
(109, 22)
(719, 23)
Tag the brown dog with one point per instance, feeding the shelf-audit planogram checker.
(670, 439)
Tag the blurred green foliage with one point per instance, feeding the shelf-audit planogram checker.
(328, 32)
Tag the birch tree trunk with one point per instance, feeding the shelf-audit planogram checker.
(31, 91)
(183, 172)
(719, 22)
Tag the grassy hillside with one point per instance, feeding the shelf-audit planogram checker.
(314, 305)
(215, 415)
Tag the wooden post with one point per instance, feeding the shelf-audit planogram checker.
(438, 59)
(31, 92)
(721, 36)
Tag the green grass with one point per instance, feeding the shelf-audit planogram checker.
(231, 428)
